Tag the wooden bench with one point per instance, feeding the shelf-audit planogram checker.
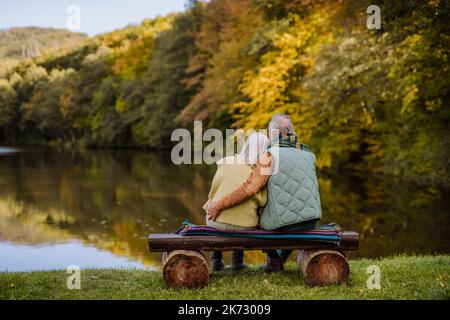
(184, 264)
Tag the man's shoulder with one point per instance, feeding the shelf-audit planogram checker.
(305, 147)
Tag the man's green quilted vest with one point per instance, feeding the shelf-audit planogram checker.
(293, 192)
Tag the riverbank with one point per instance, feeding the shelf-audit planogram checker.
(402, 277)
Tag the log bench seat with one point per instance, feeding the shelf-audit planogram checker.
(184, 264)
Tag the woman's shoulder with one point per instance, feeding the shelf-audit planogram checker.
(236, 159)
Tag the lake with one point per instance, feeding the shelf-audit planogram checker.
(95, 208)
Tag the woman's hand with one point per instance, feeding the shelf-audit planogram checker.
(213, 211)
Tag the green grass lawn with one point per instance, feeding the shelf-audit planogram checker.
(404, 277)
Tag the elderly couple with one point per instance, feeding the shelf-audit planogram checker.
(270, 184)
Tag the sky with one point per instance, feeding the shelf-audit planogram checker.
(95, 16)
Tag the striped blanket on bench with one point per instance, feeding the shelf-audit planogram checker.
(326, 233)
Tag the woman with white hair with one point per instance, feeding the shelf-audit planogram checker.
(231, 172)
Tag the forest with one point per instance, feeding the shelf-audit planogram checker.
(374, 100)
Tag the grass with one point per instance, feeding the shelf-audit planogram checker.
(402, 277)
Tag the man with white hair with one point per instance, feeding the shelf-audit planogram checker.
(288, 170)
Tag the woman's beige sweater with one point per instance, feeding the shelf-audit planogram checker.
(231, 173)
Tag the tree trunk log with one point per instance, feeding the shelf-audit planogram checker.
(182, 268)
(323, 267)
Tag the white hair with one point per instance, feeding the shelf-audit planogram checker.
(253, 147)
(281, 123)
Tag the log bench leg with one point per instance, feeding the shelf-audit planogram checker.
(183, 268)
(323, 267)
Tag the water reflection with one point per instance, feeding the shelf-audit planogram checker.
(60, 256)
(8, 150)
(113, 199)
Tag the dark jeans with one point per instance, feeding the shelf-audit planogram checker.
(216, 255)
(285, 254)
(237, 257)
